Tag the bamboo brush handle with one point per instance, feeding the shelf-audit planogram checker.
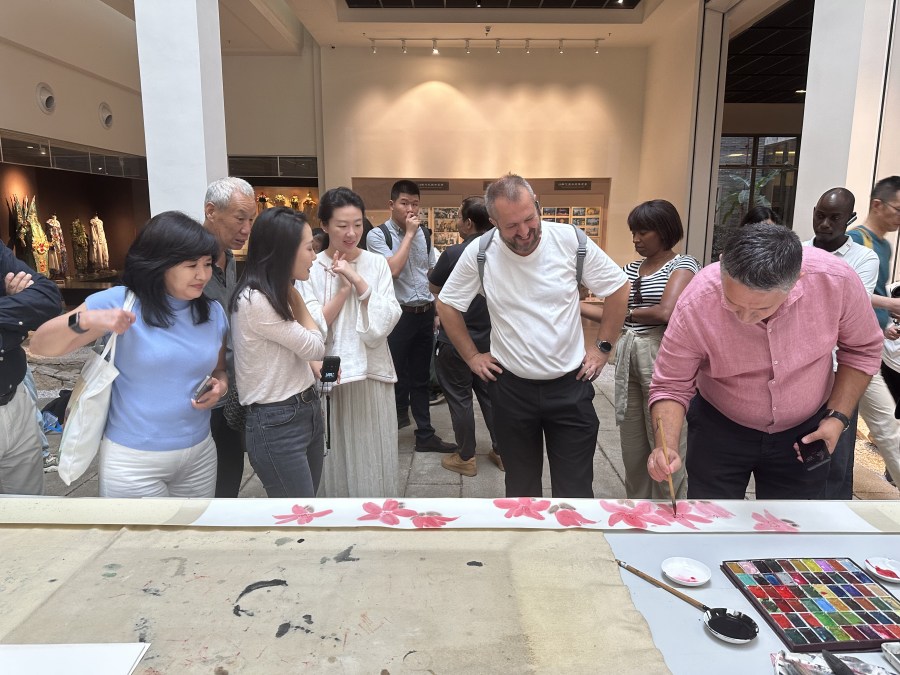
(659, 584)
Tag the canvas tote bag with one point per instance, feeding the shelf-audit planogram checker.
(88, 408)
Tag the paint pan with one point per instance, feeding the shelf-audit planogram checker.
(728, 625)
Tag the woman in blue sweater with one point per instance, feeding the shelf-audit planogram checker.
(157, 441)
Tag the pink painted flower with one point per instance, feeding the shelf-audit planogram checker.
(683, 516)
(711, 510)
(431, 519)
(302, 514)
(638, 515)
(567, 516)
(523, 506)
(766, 522)
(389, 513)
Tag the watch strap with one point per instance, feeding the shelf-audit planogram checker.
(604, 346)
(831, 412)
(74, 325)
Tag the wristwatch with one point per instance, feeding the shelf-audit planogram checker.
(831, 412)
(74, 325)
(604, 346)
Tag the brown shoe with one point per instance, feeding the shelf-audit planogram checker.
(454, 462)
(496, 459)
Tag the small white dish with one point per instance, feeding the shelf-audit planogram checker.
(686, 571)
(885, 569)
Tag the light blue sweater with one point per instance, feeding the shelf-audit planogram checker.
(159, 369)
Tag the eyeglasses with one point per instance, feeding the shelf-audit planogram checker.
(638, 298)
(896, 208)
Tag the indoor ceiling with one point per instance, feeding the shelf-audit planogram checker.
(767, 63)
(500, 4)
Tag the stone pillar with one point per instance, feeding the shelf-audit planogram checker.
(180, 58)
(848, 112)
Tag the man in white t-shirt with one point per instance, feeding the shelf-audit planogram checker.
(539, 371)
(831, 216)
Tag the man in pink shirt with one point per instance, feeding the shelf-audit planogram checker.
(748, 355)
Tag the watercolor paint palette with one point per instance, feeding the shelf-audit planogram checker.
(818, 603)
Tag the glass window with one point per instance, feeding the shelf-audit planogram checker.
(23, 150)
(754, 171)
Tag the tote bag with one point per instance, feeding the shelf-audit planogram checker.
(88, 408)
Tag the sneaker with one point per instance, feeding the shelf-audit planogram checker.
(454, 462)
(51, 463)
(436, 398)
(435, 444)
(496, 459)
(402, 420)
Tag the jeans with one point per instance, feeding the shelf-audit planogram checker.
(286, 445)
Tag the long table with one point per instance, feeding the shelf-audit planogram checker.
(526, 595)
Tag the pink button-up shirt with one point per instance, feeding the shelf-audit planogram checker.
(768, 376)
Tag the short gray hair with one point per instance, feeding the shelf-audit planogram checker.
(763, 257)
(219, 192)
(507, 188)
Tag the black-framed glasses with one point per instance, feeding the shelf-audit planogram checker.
(638, 298)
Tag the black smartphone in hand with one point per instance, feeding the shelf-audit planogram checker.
(331, 365)
(813, 454)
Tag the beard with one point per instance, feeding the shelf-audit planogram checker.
(520, 247)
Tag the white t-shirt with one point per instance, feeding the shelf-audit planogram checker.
(533, 300)
(863, 260)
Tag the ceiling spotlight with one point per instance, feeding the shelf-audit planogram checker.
(374, 50)
(527, 46)
(403, 46)
(596, 46)
(467, 47)
(620, 2)
(560, 46)
(497, 45)
(800, 91)
(434, 49)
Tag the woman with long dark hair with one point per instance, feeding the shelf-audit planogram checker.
(350, 292)
(275, 340)
(157, 441)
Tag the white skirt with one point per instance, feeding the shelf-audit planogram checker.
(363, 459)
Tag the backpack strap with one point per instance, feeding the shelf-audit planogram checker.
(388, 240)
(581, 254)
(483, 242)
(866, 236)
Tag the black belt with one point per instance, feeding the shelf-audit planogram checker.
(6, 398)
(306, 396)
(417, 309)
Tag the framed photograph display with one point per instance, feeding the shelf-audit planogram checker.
(587, 218)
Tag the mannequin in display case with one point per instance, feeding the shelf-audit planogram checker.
(79, 246)
(99, 252)
(57, 259)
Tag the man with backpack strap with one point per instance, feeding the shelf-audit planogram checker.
(539, 370)
(410, 256)
(876, 406)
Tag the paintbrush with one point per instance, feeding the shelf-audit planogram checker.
(662, 433)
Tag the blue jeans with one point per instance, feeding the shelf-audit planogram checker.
(286, 445)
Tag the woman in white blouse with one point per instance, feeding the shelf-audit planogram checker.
(275, 340)
(350, 293)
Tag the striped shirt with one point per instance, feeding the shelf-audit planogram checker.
(652, 286)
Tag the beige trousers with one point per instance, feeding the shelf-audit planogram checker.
(876, 407)
(21, 464)
(635, 356)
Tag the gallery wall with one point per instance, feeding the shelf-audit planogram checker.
(87, 52)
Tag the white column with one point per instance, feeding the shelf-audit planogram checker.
(844, 114)
(180, 59)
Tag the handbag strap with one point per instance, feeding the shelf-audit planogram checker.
(110, 349)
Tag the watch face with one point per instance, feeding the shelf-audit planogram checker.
(604, 346)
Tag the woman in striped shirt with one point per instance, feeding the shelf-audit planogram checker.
(656, 282)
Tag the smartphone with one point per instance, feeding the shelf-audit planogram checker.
(330, 367)
(814, 454)
(202, 388)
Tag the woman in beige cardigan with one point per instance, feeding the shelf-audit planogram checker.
(350, 294)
